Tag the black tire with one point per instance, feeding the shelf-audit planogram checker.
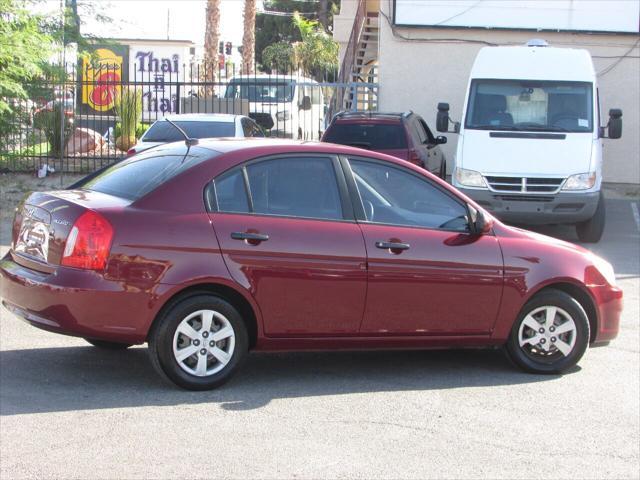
(591, 230)
(108, 345)
(161, 343)
(534, 359)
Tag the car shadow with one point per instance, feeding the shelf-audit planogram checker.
(85, 378)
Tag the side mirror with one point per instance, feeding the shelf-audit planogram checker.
(479, 224)
(614, 126)
(441, 140)
(306, 103)
(442, 119)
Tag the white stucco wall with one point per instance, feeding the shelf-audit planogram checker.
(434, 67)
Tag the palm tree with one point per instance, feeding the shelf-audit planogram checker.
(249, 38)
(211, 40)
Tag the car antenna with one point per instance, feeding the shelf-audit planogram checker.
(187, 140)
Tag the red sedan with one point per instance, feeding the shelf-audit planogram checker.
(208, 251)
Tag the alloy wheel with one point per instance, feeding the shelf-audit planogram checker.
(547, 333)
(203, 343)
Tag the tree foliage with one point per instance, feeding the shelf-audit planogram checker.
(279, 57)
(272, 29)
(28, 42)
(317, 52)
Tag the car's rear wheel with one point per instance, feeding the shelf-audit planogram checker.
(550, 335)
(199, 343)
(591, 230)
(108, 345)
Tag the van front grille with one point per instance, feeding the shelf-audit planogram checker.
(524, 184)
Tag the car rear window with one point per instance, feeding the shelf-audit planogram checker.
(135, 177)
(162, 131)
(377, 136)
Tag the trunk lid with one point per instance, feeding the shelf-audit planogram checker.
(44, 219)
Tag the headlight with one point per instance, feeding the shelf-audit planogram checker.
(284, 115)
(581, 181)
(469, 178)
(605, 269)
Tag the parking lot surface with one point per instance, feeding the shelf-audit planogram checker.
(69, 410)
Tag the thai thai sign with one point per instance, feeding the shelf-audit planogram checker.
(158, 70)
(102, 74)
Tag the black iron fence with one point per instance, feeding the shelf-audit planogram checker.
(94, 112)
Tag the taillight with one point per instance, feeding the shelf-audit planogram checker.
(131, 151)
(414, 158)
(88, 242)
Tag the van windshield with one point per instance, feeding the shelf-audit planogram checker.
(264, 90)
(550, 106)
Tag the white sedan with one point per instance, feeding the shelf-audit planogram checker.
(196, 125)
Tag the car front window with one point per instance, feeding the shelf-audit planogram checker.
(393, 196)
(530, 105)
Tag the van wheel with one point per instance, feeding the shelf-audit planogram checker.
(591, 230)
(108, 345)
(550, 335)
(199, 343)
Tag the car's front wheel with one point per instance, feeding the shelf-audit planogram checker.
(199, 343)
(550, 335)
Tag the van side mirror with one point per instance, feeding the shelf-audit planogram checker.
(305, 104)
(614, 127)
(442, 119)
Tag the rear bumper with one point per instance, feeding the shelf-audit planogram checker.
(75, 302)
(530, 209)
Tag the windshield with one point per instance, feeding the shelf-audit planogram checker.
(379, 136)
(133, 178)
(163, 131)
(261, 90)
(550, 106)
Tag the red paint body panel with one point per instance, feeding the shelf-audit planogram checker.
(309, 278)
(446, 283)
(308, 286)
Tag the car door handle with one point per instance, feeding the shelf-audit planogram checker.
(393, 245)
(254, 238)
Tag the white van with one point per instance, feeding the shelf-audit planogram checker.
(285, 105)
(530, 146)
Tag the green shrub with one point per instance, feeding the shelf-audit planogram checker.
(50, 122)
(128, 107)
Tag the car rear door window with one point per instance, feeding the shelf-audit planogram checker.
(230, 192)
(297, 187)
(393, 196)
(375, 136)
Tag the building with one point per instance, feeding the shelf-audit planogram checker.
(420, 52)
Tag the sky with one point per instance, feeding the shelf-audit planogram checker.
(148, 19)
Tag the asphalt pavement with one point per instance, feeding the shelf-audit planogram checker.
(69, 410)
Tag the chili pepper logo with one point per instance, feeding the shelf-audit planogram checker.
(101, 79)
